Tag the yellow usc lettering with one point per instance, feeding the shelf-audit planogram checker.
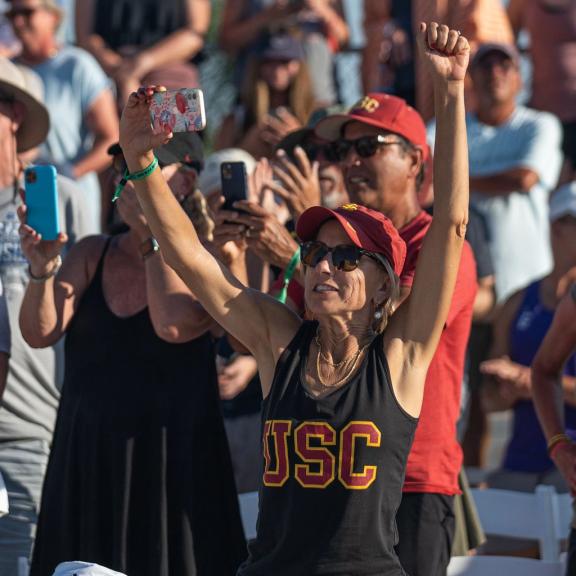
(318, 465)
(368, 104)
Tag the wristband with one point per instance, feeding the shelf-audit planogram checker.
(288, 273)
(558, 446)
(557, 439)
(140, 175)
(48, 275)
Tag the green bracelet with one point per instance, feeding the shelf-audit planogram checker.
(288, 273)
(135, 176)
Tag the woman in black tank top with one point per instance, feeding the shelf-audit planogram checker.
(139, 424)
(343, 392)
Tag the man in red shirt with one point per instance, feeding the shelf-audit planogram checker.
(382, 145)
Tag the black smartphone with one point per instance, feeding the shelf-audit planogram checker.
(234, 183)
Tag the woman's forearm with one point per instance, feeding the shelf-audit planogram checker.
(451, 154)
(175, 233)
(549, 400)
(180, 46)
(38, 315)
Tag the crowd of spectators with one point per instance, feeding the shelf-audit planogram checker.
(129, 419)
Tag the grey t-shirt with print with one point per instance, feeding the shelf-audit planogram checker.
(28, 408)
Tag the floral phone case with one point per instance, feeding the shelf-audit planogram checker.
(181, 110)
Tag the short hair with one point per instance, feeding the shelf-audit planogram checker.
(409, 147)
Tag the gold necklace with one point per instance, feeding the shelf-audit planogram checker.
(353, 364)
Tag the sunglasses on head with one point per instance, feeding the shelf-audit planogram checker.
(365, 147)
(345, 257)
(24, 12)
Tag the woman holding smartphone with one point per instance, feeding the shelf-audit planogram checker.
(139, 477)
(343, 392)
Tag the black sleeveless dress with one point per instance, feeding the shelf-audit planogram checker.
(139, 478)
(334, 469)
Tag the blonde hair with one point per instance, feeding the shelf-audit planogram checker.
(393, 295)
(256, 94)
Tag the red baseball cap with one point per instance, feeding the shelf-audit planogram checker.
(366, 228)
(383, 111)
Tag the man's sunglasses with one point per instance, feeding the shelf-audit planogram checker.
(365, 147)
(24, 12)
(345, 257)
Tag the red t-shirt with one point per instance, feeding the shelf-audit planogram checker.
(436, 457)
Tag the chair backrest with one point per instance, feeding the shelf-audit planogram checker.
(564, 515)
(502, 566)
(532, 515)
(249, 512)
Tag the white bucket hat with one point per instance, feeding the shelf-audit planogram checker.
(78, 568)
(209, 179)
(36, 121)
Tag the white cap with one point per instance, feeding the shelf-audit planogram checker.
(209, 179)
(83, 569)
(563, 202)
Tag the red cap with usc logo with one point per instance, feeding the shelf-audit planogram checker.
(390, 113)
(366, 228)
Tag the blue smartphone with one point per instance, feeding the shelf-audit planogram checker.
(42, 200)
(234, 183)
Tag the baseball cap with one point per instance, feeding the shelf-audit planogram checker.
(282, 47)
(83, 569)
(300, 137)
(184, 147)
(383, 111)
(563, 202)
(368, 229)
(508, 50)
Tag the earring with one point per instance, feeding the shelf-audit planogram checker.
(378, 314)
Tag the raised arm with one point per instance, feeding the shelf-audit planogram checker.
(52, 296)
(263, 325)
(558, 345)
(422, 319)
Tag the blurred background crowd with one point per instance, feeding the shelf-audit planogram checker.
(271, 71)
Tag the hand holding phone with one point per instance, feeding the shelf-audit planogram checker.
(179, 110)
(234, 183)
(42, 201)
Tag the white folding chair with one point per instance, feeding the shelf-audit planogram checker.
(563, 513)
(249, 512)
(530, 515)
(502, 566)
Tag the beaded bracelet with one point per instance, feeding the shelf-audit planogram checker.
(556, 440)
(288, 273)
(48, 275)
(140, 175)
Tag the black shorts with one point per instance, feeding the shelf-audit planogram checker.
(569, 142)
(425, 533)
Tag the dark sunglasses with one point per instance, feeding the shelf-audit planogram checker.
(365, 147)
(25, 12)
(345, 257)
(325, 151)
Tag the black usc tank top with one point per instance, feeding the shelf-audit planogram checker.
(334, 469)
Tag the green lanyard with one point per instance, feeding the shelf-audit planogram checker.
(288, 273)
(136, 176)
